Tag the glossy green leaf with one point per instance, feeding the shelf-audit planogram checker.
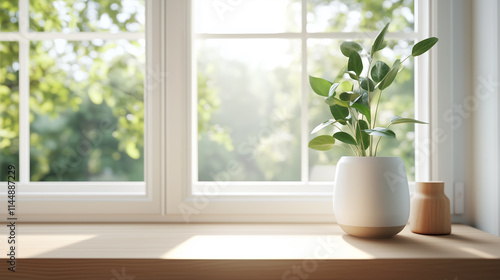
(335, 101)
(322, 143)
(348, 96)
(345, 86)
(320, 86)
(379, 70)
(378, 44)
(423, 46)
(355, 63)
(348, 47)
(344, 137)
(361, 135)
(339, 113)
(365, 111)
(398, 119)
(331, 91)
(322, 125)
(381, 131)
(363, 98)
(391, 75)
(353, 75)
(367, 84)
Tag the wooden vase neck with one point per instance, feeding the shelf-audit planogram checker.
(430, 188)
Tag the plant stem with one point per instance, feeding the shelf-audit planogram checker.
(405, 59)
(374, 124)
(369, 99)
(352, 151)
(360, 134)
(368, 82)
(376, 110)
(376, 147)
(354, 134)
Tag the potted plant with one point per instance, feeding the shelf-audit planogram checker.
(371, 196)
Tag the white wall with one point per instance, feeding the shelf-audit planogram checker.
(468, 72)
(484, 166)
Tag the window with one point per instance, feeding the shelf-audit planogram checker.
(252, 74)
(73, 91)
(208, 102)
(250, 108)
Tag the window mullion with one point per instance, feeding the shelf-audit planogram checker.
(24, 93)
(84, 36)
(304, 100)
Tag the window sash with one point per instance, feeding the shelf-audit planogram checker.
(253, 201)
(81, 200)
(421, 31)
(168, 135)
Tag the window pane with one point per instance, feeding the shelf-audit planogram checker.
(87, 15)
(359, 15)
(9, 10)
(325, 60)
(86, 106)
(256, 16)
(9, 107)
(248, 109)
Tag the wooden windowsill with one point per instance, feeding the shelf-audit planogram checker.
(245, 251)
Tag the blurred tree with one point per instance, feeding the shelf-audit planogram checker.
(86, 97)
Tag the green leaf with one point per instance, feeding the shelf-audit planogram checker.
(379, 71)
(361, 135)
(381, 131)
(348, 96)
(398, 119)
(335, 101)
(391, 75)
(339, 113)
(355, 63)
(423, 46)
(378, 44)
(322, 143)
(365, 111)
(345, 86)
(320, 86)
(353, 75)
(365, 82)
(322, 125)
(348, 47)
(363, 98)
(345, 137)
(331, 91)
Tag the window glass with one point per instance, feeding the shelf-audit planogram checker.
(360, 15)
(86, 104)
(9, 16)
(240, 16)
(243, 83)
(9, 107)
(249, 108)
(87, 15)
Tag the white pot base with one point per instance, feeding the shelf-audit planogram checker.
(372, 232)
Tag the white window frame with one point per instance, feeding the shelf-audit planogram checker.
(165, 195)
(91, 201)
(286, 201)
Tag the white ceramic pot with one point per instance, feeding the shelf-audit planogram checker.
(371, 196)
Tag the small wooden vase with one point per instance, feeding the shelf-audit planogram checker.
(430, 209)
